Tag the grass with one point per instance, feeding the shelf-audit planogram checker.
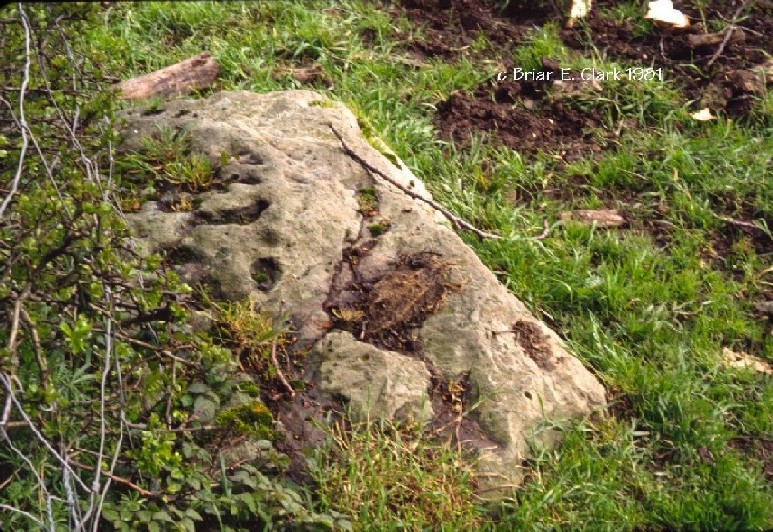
(168, 160)
(646, 98)
(648, 310)
(633, 12)
(389, 475)
(543, 42)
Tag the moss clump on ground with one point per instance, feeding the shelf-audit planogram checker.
(368, 202)
(252, 419)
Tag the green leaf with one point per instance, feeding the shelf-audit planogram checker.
(162, 515)
(205, 409)
(223, 477)
(198, 388)
(194, 483)
(245, 478)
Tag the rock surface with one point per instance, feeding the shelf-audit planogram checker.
(377, 383)
(394, 305)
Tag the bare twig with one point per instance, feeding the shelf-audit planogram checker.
(168, 413)
(7, 415)
(456, 222)
(22, 120)
(545, 230)
(22, 512)
(40, 359)
(88, 165)
(40, 483)
(156, 348)
(279, 373)
(120, 480)
(13, 336)
(95, 484)
(117, 450)
(728, 33)
(70, 492)
(4, 483)
(742, 223)
(181, 429)
(48, 168)
(753, 32)
(81, 516)
(6, 382)
(14, 319)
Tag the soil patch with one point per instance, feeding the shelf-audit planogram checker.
(452, 401)
(760, 449)
(534, 343)
(386, 312)
(521, 116)
(451, 26)
(723, 84)
(512, 113)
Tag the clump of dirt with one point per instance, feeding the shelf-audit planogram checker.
(535, 343)
(407, 294)
(386, 312)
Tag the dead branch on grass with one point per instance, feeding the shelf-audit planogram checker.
(741, 223)
(195, 73)
(728, 34)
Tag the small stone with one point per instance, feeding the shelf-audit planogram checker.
(602, 218)
(734, 359)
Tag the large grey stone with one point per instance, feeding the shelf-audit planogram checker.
(288, 233)
(375, 382)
